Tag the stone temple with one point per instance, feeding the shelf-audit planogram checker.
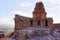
(39, 19)
(37, 27)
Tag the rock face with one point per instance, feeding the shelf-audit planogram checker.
(34, 35)
(1, 34)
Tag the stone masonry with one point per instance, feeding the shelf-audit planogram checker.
(39, 25)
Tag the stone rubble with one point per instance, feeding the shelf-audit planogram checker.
(54, 36)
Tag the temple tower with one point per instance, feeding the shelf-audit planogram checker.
(39, 11)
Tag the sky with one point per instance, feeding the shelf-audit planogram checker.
(8, 9)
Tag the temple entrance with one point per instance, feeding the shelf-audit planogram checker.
(38, 23)
(31, 23)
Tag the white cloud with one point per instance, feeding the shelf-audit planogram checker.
(10, 19)
(53, 9)
(56, 17)
(52, 1)
(26, 4)
(12, 13)
(6, 20)
(54, 13)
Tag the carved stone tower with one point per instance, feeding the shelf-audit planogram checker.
(39, 11)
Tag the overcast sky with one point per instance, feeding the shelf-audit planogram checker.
(8, 9)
